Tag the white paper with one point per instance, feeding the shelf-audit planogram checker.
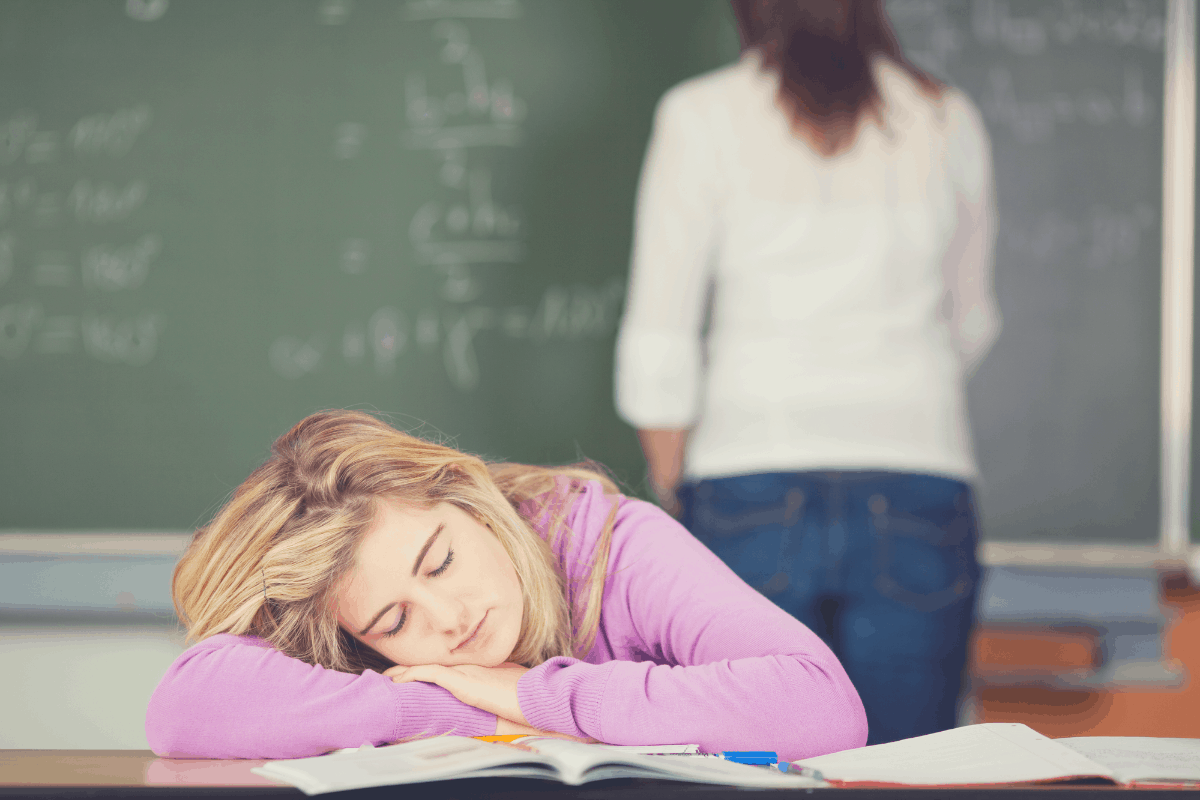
(993, 752)
(1142, 758)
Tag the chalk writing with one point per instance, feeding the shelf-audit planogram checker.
(355, 257)
(935, 36)
(1126, 23)
(109, 134)
(57, 335)
(388, 329)
(1104, 237)
(53, 268)
(1036, 120)
(293, 358)
(348, 139)
(480, 114)
(15, 134)
(106, 202)
(131, 341)
(146, 10)
(112, 268)
(334, 12)
(564, 313)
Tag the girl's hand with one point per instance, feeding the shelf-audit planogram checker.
(506, 727)
(492, 689)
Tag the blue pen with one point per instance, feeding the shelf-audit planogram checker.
(750, 756)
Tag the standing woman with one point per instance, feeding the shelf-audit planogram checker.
(828, 206)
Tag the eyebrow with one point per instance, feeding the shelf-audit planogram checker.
(425, 549)
(416, 568)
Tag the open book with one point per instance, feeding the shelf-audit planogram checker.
(447, 757)
(1003, 752)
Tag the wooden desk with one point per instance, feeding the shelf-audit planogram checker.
(104, 774)
(114, 772)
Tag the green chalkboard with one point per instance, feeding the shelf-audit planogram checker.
(217, 216)
(1066, 407)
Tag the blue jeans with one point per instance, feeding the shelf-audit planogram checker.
(881, 565)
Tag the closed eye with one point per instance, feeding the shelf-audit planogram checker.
(399, 625)
(404, 615)
(445, 564)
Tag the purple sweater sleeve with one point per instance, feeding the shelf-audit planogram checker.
(707, 659)
(237, 697)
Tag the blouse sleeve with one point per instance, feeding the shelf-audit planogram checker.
(237, 697)
(658, 358)
(723, 667)
(974, 317)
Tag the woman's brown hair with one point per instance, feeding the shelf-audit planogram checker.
(823, 51)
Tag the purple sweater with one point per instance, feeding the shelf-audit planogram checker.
(686, 652)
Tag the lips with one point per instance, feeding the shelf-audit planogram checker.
(474, 633)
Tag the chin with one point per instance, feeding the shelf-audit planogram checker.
(505, 654)
(491, 662)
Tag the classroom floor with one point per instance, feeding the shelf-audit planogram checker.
(1150, 712)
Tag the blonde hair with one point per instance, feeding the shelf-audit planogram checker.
(271, 559)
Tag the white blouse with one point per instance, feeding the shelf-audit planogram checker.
(850, 296)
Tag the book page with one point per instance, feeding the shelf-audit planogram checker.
(656, 749)
(580, 763)
(575, 760)
(431, 759)
(704, 769)
(1142, 758)
(993, 752)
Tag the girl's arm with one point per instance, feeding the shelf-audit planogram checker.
(237, 697)
(720, 665)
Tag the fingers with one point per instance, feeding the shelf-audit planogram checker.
(426, 673)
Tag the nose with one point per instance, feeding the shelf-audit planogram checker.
(449, 616)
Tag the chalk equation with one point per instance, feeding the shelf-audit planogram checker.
(27, 327)
(463, 228)
(107, 134)
(564, 313)
(34, 208)
(1031, 121)
(146, 10)
(482, 112)
(1102, 238)
(102, 267)
(937, 32)
(457, 235)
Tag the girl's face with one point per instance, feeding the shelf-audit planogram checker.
(432, 586)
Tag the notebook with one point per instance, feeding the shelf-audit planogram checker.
(570, 762)
(1003, 752)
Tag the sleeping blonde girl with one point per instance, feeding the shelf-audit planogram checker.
(366, 585)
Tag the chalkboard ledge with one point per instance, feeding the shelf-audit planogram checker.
(104, 543)
(1101, 557)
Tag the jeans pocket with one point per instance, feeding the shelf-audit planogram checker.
(726, 508)
(921, 563)
(748, 524)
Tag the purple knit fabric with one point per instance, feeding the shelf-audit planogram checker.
(686, 653)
